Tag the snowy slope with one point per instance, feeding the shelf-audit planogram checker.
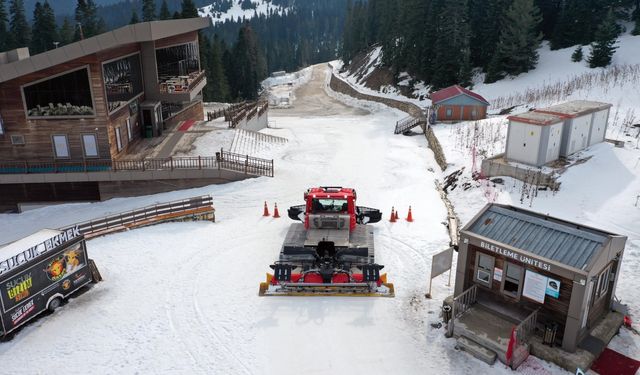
(235, 12)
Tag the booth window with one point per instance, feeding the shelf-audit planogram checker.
(484, 268)
(603, 283)
(122, 81)
(449, 112)
(512, 280)
(65, 95)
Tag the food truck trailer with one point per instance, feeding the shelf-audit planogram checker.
(38, 272)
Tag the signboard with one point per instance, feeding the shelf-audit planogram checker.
(497, 274)
(553, 287)
(441, 262)
(535, 286)
(39, 249)
(517, 256)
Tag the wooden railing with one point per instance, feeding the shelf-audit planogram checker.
(245, 164)
(461, 304)
(223, 160)
(146, 215)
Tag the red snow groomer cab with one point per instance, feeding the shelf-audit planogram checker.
(330, 253)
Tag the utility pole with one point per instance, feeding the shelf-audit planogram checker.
(56, 44)
(80, 29)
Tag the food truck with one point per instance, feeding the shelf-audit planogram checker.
(38, 272)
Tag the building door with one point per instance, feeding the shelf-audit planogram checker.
(512, 280)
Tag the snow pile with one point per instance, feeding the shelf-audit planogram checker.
(219, 13)
(281, 89)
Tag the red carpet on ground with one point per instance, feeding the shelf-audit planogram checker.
(186, 125)
(611, 362)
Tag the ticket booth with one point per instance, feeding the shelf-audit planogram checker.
(517, 266)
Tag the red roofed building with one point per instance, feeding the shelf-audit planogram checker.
(455, 103)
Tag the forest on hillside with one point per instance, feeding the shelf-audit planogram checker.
(443, 42)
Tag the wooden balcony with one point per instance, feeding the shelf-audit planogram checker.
(182, 88)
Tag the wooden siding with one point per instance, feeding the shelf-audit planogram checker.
(600, 307)
(553, 310)
(461, 113)
(119, 119)
(37, 132)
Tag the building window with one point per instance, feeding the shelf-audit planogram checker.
(60, 147)
(449, 112)
(484, 268)
(65, 95)
(512, 280)
(122, 81)
(118, 139)
(90, 145)
(603, 283)
(17, 139)
(129, 132)
(178, 60)
(474, 113)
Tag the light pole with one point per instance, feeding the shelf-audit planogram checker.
(56, 44)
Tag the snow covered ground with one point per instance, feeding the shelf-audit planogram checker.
(235, 12)
(182, 297)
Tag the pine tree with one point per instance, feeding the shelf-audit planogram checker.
(189, 9)
(604, 46)
(66, 32)
(176, 15)
(19, 30)
(134, 18)
(577, 55)
(164, 11)
(148, 10)
(451, 64)
(249, 67)
(86, 16)
(44, 28)
(4, 35)
(516, 51)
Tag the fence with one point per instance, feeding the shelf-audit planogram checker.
(222, 160)
(461, 304)
(408, 123)
(201, 207)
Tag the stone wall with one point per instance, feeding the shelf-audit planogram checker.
(338, 85)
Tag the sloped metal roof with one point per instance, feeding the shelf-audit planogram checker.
(140, 32)
(554, 239)
(453, 91)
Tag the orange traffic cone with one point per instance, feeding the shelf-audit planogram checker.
(397, 218)
(266, 209)
(276, 214)
(409, 216)
(393, 216)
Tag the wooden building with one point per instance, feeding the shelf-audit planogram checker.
(527, 270)
(92, 99)
(456, 103)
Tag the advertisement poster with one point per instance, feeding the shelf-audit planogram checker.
(553, 287)
(497, 274)
(535, 286)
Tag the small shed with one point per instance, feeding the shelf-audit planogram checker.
(534, 138)
(523, 265)
(455, 103)
(585, 124)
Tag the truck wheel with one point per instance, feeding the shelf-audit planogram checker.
(54, 304)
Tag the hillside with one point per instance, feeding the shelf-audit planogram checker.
(223, 10)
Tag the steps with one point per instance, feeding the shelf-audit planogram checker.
(248, 142)
(407, 124)
(485, 355)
